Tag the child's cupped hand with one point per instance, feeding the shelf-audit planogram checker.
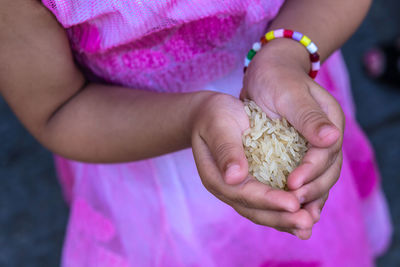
(222, 165)
(278, 82)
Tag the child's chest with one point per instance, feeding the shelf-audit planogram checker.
(166, 45)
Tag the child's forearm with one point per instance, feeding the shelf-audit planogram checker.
(328, 23)
(115, 124)
(97, 123)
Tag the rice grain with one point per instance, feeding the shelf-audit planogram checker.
(273, 148)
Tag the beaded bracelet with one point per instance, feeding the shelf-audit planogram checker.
(283, 33)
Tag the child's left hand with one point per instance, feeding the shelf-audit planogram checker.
(278, 82)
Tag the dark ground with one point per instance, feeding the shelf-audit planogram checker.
(32, 212)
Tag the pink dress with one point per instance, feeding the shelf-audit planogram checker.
(156, 212)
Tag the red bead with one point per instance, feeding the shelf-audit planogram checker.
(313, 73)
(287, 33)
(263, 40)
(314, 57)
(244, 70)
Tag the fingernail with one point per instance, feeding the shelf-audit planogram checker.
(302, 200)
(232, 170)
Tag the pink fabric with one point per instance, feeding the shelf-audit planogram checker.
(156, 212)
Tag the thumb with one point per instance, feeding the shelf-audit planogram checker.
(306, 115)
(225, 145)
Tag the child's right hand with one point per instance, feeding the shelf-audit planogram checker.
(222, 165)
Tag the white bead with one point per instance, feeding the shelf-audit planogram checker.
(312, 48)
(315, 65)
(246, 62)
(278, 33)
(257, 46)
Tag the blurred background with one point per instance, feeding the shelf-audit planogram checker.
(33, 215)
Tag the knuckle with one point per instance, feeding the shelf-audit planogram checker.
(224, 148)
(223, 151)
(242, 200)
(249, 214)
(282, 100)
(309, 116)
(304, 221)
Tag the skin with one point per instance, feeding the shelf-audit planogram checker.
(104, 123)
(286, 90)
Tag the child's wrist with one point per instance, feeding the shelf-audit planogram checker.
(196, 102)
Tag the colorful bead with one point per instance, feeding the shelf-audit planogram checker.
(315, 65)
(287, 33)
(278, 33)
(270, 36)
(305, 41)
(257, 46)
(246, 62)
(263, 40)
(314, 57)
(312, 48)
(284, 33)
(313, 74)
(251, 54)
(297, 36)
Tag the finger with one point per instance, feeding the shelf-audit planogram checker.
(315, 207)
(303, 234)
(285, 230)
(315, 162)
(254, 194)
(300, 220)
(250, 193)
(225, 144)
(306, 115)
(321, 185)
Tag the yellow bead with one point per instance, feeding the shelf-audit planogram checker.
(270, 36)
(305, 41)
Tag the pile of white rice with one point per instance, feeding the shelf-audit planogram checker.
(273, 147)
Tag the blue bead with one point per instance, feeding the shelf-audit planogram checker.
(297, 36)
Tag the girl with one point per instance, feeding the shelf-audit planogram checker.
(158, 77)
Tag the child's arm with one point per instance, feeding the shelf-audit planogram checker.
(328, 23)
(100, 123)
(88, 122)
